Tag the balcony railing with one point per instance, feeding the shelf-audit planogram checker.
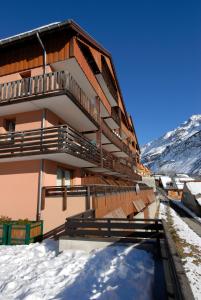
(58, 139)
(114, 138)
(46, 84)
(115, 115)
(48, 140)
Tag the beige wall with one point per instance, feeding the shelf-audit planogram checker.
(24, 121)
(54, 216)
(19, 189)
(16, 76)
(31, 120)
(50, 171)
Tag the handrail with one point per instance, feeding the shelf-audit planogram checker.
(46, 140)
(61, 138)
(47, 83)
(114, 138)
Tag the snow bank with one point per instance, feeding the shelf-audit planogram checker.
(36, 272)
(186, 209)
(191, 266)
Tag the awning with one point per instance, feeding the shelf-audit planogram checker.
(117, 213)
(139, 205)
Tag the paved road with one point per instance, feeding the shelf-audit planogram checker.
(190, 221)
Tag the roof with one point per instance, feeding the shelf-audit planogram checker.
(139, 204)
(183, 175)
(74, 26)
(194, 187)
(178, 182)
(165, 180)
(52, 27)
(27, 33)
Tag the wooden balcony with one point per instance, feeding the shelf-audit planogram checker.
(47, 84)
(43, 142)
(57, 139)
(115, 115)
(115, 139)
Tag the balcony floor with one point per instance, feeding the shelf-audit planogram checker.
(63, 158)
(61, 105)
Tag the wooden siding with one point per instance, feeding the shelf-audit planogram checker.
(29, 55)
(90, 76)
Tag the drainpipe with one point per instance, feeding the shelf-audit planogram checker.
(44, 53)
(40, 178)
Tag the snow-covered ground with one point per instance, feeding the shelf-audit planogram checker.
(38, 272)
(191, 248)
(186, 209)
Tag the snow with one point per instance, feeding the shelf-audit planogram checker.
(177, 151)
(192, 214)
(29, 32)
(178, 182)
(38, 272)
(182, 175)
(165, 180)
(194, 187)
(198, 198)
(192, 268)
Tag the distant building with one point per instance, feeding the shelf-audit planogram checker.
(191, 197)
(174, 185)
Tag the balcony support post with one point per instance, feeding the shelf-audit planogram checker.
(41, 192)
(99, 132)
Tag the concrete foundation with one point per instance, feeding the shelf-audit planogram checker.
(67, 243)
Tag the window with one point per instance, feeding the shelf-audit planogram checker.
(10, 125)
(63, 177)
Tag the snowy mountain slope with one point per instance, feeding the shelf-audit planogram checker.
(178, 150)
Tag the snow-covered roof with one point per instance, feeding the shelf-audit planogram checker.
(178, 182)
(165, 180)
(182, 175)
(194, 187)
(29, 32)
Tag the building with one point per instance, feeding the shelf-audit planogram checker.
(191, 197)
(67, 143)
(173, 185)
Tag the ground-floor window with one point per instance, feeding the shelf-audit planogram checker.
(63, 177)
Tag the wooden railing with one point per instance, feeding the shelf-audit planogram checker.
(47, 140)
(44, 84)
(97, 192)
(114, 227)
(114, 138)
(122, 168)
(115, 115)
(58, 139)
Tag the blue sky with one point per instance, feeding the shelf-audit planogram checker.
(156, 48)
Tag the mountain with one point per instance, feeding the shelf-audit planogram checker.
(177, 151)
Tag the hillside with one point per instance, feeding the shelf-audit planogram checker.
(178, 150)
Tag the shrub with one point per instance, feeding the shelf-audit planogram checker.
(5, 220)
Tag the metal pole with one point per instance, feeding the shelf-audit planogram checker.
(44, 52)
